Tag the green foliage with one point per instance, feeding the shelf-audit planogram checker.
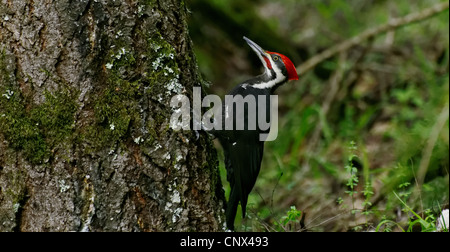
(293, 215)
(352, 171)
(392, 90)
(422, 223)
(291, 221)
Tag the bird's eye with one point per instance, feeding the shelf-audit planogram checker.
(275, 58)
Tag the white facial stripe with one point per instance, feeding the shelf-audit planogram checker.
(266, 68)
(279, 75)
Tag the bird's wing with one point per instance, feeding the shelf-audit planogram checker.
(245, 159)
(243, 153)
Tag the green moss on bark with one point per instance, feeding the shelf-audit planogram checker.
(149, 71)
(40, 129)
(35, 129)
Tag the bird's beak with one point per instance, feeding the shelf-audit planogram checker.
(262, 55)
(258, 50)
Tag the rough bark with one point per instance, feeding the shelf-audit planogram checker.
(85, 143)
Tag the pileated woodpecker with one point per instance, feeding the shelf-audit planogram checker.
(243, 149)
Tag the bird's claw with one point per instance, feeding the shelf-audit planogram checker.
(197, 135)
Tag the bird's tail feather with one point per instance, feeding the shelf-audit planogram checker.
(232, 208)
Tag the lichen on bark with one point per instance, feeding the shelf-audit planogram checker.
(85, 143)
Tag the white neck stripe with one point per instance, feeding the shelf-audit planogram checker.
(270, 84)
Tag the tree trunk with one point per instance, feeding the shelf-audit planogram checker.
(85, 142)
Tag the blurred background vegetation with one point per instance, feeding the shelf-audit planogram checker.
(364, 137)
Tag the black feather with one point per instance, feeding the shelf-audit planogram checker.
(243, 148)
(243, 151)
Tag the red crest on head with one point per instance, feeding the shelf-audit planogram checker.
(290, 67)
